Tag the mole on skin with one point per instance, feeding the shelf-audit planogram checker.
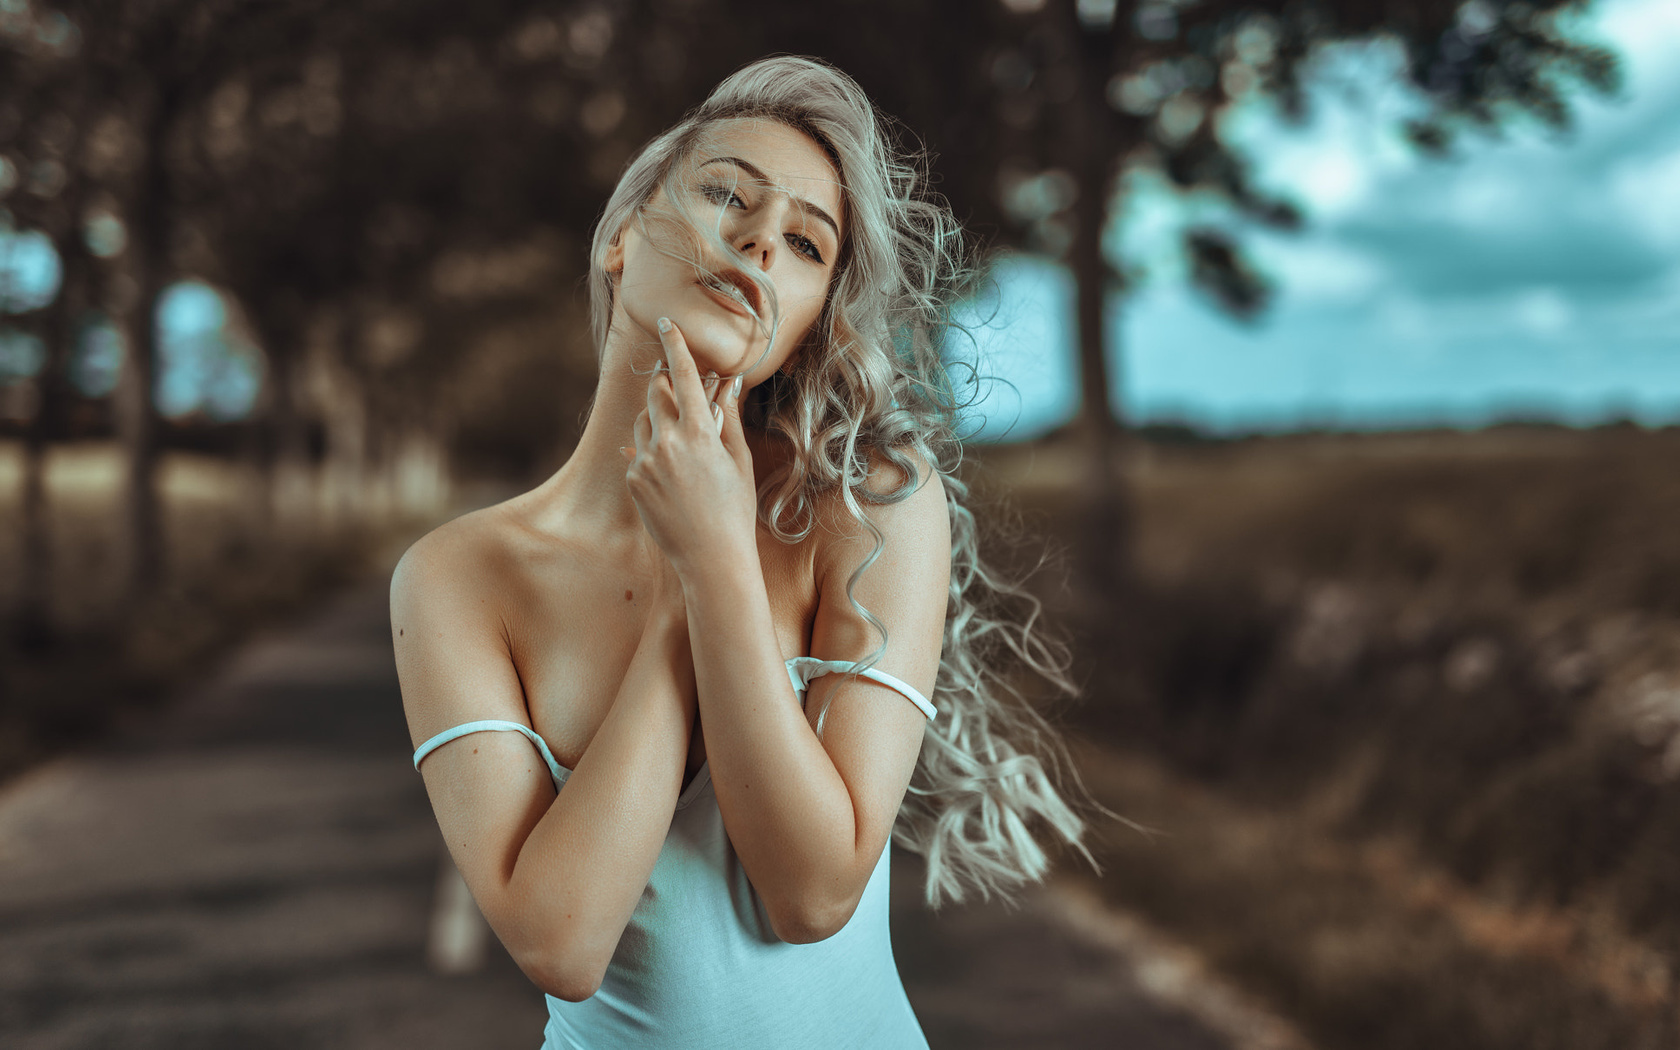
(628, 596)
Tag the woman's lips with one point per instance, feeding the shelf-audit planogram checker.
(733, 286)
(729, 302)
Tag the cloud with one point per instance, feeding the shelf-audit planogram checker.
(1647, 189)
(1439, 259)
(1314, 268)
(1644, 31)
(1542, 312)
(1592, 214)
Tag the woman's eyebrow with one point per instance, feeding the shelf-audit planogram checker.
(758, 173)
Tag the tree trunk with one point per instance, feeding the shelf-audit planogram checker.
(34, 613)
(1105, 531)
(35, 629)
(419, 474)
(339, 394)
(60, 328)
(137, 406)
(285, 474)
(1107, 528)
(290, 479)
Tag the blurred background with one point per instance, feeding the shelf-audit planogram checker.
(1331, 348)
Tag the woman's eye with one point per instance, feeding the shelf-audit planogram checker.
(805, 246)
(722, 195)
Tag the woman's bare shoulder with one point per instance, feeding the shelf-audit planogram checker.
(889, 475)
(916, 525)
(449, 624)
(471, 554)
(493, 565)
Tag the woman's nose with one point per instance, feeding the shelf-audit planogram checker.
(758, 244)
(758, 251)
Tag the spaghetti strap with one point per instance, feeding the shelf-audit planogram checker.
(802, 669)
(555, 769)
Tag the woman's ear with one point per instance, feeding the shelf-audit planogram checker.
(613, 260)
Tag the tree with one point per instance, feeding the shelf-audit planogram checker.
(409, 177)
(44, 115)
(140, 67)
(1096, 89)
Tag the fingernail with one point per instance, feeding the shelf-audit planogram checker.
(735, 388)
(664, 325)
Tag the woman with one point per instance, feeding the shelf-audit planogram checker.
(610, 676)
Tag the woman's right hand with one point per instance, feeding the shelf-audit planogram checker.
(667, 589)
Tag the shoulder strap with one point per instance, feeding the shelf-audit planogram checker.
(555, 769)
(802, 669)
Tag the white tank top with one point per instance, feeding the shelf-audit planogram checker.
(699, 966)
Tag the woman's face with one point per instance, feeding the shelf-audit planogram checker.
(773, 195)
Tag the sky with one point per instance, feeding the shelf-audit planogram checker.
(1531, 277)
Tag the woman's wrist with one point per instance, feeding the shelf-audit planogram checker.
(665, 637)
(722, 570)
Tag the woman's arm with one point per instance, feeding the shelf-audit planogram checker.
(808, 817)
(556, 875)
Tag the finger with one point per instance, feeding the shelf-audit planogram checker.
(643, 431)
(729, 421)
(721, 392)
(684, 374)
(710, 386)
(661, 406)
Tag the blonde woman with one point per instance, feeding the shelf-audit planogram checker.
(673, 702)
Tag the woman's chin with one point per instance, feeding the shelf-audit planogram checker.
(719, 340)
(716, 347)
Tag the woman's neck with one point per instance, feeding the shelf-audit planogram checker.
(588, 497)
(589, 494)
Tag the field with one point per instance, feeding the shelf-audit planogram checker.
(1405, 708)
(227, 570)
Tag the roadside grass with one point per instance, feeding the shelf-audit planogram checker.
(227, 572)
(1409, 706)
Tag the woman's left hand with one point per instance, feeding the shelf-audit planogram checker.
(692, 474)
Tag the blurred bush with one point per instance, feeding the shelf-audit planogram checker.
(1432, 677)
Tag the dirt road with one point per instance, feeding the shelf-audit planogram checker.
(257, 867)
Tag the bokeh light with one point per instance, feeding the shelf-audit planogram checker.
(206, 365)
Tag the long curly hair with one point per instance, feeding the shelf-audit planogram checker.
(872, 383)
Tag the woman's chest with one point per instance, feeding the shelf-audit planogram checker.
(573, 641)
